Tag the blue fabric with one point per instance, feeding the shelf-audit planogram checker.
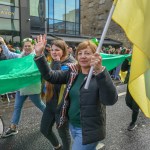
(19, 101)
(116, 72)
(76, 133)
(64, 68)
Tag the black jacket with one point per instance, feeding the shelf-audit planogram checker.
(52, 104)
(126, 67)
(101, 92)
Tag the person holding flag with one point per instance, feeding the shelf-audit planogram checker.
(129, 99)
(84, 109)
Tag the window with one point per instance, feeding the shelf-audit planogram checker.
(70, 10)
(10, 2)
(9, 12)
(9, 25)
(62, 16)
(59, 9)
(9, 16)
(9, 20)
(37, 15)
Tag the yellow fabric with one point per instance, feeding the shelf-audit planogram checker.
(49, 58)
(134, 17)
(123, 75)
(115, 1)
(61, 93)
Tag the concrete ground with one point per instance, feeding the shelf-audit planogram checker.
(118, 137)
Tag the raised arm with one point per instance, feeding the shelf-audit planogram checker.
(6, 51)
(40, 43)
(54, 77)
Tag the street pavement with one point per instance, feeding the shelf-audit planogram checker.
(118, 137)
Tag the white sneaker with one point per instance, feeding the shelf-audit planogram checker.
(100, 146)
(9, 132)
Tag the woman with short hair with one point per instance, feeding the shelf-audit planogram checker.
(85, 109)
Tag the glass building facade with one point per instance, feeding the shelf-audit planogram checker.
(57, 16)
(9, 17)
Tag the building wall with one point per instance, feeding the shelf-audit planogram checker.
(94, 14)
(24, 19)
(10, 20)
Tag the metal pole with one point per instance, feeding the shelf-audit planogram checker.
(101, 42)
(45, 20)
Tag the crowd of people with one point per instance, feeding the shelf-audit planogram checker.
(61, 95)
(113, 50)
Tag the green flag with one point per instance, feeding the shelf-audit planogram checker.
(18, 73)
(21, 72)
(110, 61)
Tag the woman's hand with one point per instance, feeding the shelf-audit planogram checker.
(73, 66)
(56, 58)
(96, 62)
(40, 43)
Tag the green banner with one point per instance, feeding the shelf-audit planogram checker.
(113, 60)
(18, 73)
(21, 72)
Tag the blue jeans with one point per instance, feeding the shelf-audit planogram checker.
(19, 101)
(116, 72)
(76, 133)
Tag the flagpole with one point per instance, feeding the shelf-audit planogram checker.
(101, 42)
(45, 19)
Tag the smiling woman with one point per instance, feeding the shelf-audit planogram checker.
(32, 91)
(87, 129)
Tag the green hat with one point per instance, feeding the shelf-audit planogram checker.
(95, 41)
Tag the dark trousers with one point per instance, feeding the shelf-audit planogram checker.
(132, 105)
(134, 116)
(47, 122)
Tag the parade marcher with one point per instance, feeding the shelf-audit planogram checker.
(2, 56)
(47, 52)
(85, 108)
(60, 57)
(129, 99)
(33, 91)
(70, 52)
